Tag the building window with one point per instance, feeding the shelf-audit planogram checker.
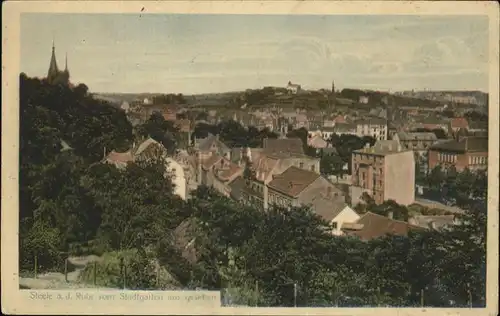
(301, 165)
(334, 225)
(313, 168)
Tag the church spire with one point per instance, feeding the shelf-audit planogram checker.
(53, 70)
(66, 63)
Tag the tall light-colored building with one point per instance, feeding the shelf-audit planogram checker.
(385, 171)
(374, 127)
(178, 176)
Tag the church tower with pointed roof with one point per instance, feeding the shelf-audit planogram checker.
(54, 75)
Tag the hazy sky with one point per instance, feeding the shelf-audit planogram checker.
(215, 53)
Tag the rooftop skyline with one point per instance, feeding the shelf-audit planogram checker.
(190, 54)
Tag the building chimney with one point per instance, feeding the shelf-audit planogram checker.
(390, 214)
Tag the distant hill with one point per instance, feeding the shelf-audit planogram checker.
(121, 97)
(268, 96)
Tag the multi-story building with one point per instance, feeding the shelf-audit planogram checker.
(466, 152)
(301, 121)
(205, 148)
(374, 127)
(276, 156)
(345, 129)
(170, 112)
(433, 123)
(458, 123)
(179, 177)
(418, 142)
(385, 171)
(218, 172)
(297, 187)
(468, 99)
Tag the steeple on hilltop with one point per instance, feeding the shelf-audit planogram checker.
(66, 63)
(54, 75)
(53, 69)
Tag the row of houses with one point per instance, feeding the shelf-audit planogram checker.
(374, 127)
(460, 152)
(281, 174)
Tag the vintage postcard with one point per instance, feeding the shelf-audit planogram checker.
(223, 157)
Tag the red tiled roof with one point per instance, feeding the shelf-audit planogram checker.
(375, 226)
(228, 171)
(459, 122)
(339, 119)
(293, 181)
(466, 144)
(264, 165)
(328, 209)
(317, 142)
(169, 116)
(210, 161)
